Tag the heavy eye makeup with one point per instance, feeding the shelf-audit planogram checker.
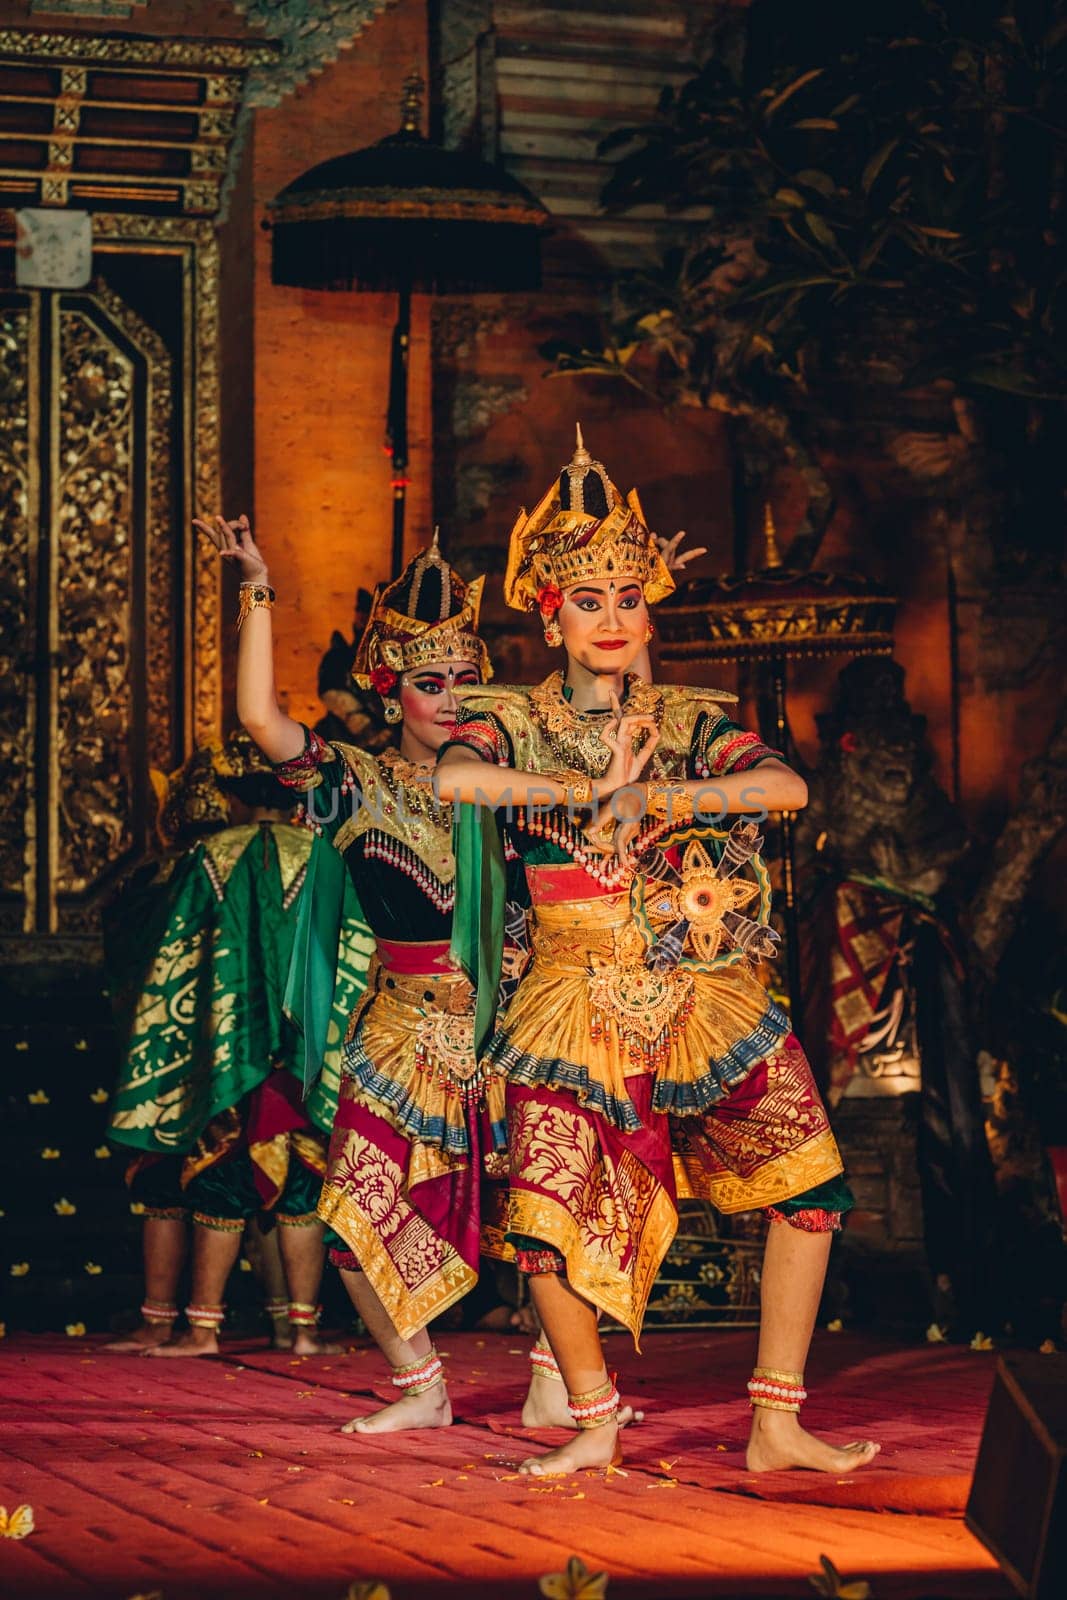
(590, 600)
(437, 683)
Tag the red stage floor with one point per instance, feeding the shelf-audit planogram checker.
(228, 1477)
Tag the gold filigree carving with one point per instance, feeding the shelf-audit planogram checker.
(195, 239)
(129, 49)
(16, 616)
(94, 505)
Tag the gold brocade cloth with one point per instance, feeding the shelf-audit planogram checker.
(414, 1184)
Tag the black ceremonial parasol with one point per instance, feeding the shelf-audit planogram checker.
(409, 216)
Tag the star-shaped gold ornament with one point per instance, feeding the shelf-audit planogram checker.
(702, 899)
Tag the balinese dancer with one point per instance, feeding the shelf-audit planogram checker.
(191, 806)
(419, 1127)
(208, 1071)
(639, 1064)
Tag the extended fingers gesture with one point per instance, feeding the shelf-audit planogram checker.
(234, 542)
(631, 739)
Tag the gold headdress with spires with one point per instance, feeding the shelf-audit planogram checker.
(582, 529)
(428, 614)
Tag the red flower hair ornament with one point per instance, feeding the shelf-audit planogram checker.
(848, 743)
(384, 679)
(549, 599)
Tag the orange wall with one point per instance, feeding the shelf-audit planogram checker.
(322, 497)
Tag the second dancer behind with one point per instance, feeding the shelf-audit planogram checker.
(638, 1055)
(419, 1135)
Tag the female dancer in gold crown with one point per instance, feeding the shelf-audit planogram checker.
(642, 1057)
(419, 1125)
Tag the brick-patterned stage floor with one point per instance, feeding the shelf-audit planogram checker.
(228, 1477)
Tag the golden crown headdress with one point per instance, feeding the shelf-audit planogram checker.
(428, 614)
(582, 530)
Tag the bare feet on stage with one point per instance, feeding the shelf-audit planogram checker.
(546, 1406)
(590, 1448)
(431, 1409)
(193, 1342)
(146, 1337)
(778, 1442)
(305, 1343)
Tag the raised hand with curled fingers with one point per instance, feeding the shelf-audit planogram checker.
(234, 542)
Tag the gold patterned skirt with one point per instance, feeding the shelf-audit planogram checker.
(589, 1014)
(414, 1182)
(628, 1088)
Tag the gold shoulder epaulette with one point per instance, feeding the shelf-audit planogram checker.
(681, 693)
(486, 695)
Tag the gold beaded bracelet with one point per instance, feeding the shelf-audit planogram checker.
(669, 801)
(579, 787)
(250, 596)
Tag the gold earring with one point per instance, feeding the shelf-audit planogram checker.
(553, 633)
(649, 631)
(393, 711)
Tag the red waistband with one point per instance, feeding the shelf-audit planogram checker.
(398, 956)
(555, 884)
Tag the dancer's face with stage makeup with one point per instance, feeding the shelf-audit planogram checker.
(429, 704)
(604, 624)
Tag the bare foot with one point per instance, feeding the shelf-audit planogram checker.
(195, 1342)
(281, 1334)
(306, 1343)
(778, 1442)
(546, 1406)
(590, 1447)
(431, 1409)
(146, 1337)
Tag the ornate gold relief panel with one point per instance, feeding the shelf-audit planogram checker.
(87, 665)
(17, 542)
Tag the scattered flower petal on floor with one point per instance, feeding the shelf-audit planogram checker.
(19, 1269)
(18, 1524)
(93, 1269)
(936, 1334)
(830, 1584)
(136, 1208)
(1048, 1348)
(50, 1153)
(375, 1590)
(836, 1326)
(99, 1097)
(102, 1152)
(577, 1583)
(982, 1341)
(64, 1208)
(75, 1330)
(38, 1097)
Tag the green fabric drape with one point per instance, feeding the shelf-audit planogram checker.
(208, 1024)
(332, 949)
(478, 920)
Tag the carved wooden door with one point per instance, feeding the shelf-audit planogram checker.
(92, 507)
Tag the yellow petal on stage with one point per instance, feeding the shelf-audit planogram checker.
(837, 1326)
(982, 1341)
(99, 1097)
(18, 1524)
(49, 1153)
(137, 1208)
(37, 1097)
(1048, 1348)
(577, 1583)
(102, 1152)
(375, 1590)
(19, 1269)
(830, 1584)
(935, 1334)
(64, 1208)
(75, 1330)
(93, 1269)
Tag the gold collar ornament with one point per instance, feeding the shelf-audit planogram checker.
(428, 615)
(581, 531)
